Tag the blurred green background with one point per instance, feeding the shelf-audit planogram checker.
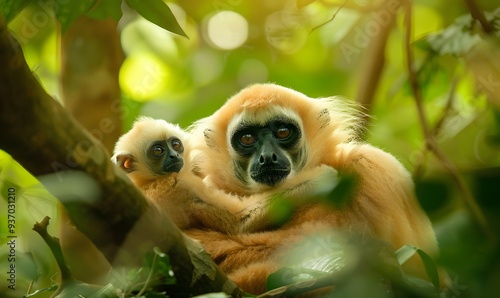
(359, 55)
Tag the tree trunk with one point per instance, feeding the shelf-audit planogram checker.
(91, 57)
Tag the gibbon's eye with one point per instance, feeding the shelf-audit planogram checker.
(127, 164)
(282, 133)
(247, 139)
(177, 145)
(158, 150)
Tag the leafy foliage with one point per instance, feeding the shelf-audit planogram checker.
(67, 12)
(155, 271)
(157, 12)
(461, 36)
(10, 8)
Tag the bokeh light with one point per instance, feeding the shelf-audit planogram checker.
(144, 76)
(227, 30)
(287, 30)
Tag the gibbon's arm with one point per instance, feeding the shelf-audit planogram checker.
(385, 196)
(247, 213)
(186, 209)
(305, 187)
(250, 258)
(234, 251)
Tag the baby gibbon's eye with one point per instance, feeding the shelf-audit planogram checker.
(158, 150)
(177, 145)
(247, 139)
(127, 164)
(283, 133)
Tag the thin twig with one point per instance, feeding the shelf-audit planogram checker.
(478, 15)
(447, 109)
(437, 128)
(331, 19)
(301, 287)
(55, 247)
(150, 277)
(362, 8)
(430, 141)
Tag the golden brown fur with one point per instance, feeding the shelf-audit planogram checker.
(383, 205)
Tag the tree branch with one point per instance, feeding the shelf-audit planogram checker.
(478, 15)
(374, 65)
(44, 138)
(418, 171)
(430, 141)
(91, 57)
(55, 247)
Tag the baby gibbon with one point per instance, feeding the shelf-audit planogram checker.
(155, 155)
(267, 134)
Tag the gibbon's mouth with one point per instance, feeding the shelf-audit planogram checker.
(174, 167)
(271, 176)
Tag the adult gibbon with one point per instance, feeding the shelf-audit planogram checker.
(156, 156)
(266, 135)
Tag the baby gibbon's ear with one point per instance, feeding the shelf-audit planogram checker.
(126, 161)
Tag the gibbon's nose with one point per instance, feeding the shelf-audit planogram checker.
(268, 154)
(268, 158)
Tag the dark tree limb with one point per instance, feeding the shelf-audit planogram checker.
(44, 138)
(91, 57)
(55, 247)
(478, 15)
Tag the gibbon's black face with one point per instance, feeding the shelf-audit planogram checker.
(164, 156)
(266, 151)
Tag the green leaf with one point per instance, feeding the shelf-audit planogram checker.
(10, 8)
(407, 251)
(214, 295)
(341, 195)
(288, 275)
(35, 293)
(75, 288)
(281, 209)
(106, 9)
(460, 36)
(159, 262)
(68, 12)
(157, 12)
(430, 267)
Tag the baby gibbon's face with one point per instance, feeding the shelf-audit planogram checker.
(165, 156)
(152, 148)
